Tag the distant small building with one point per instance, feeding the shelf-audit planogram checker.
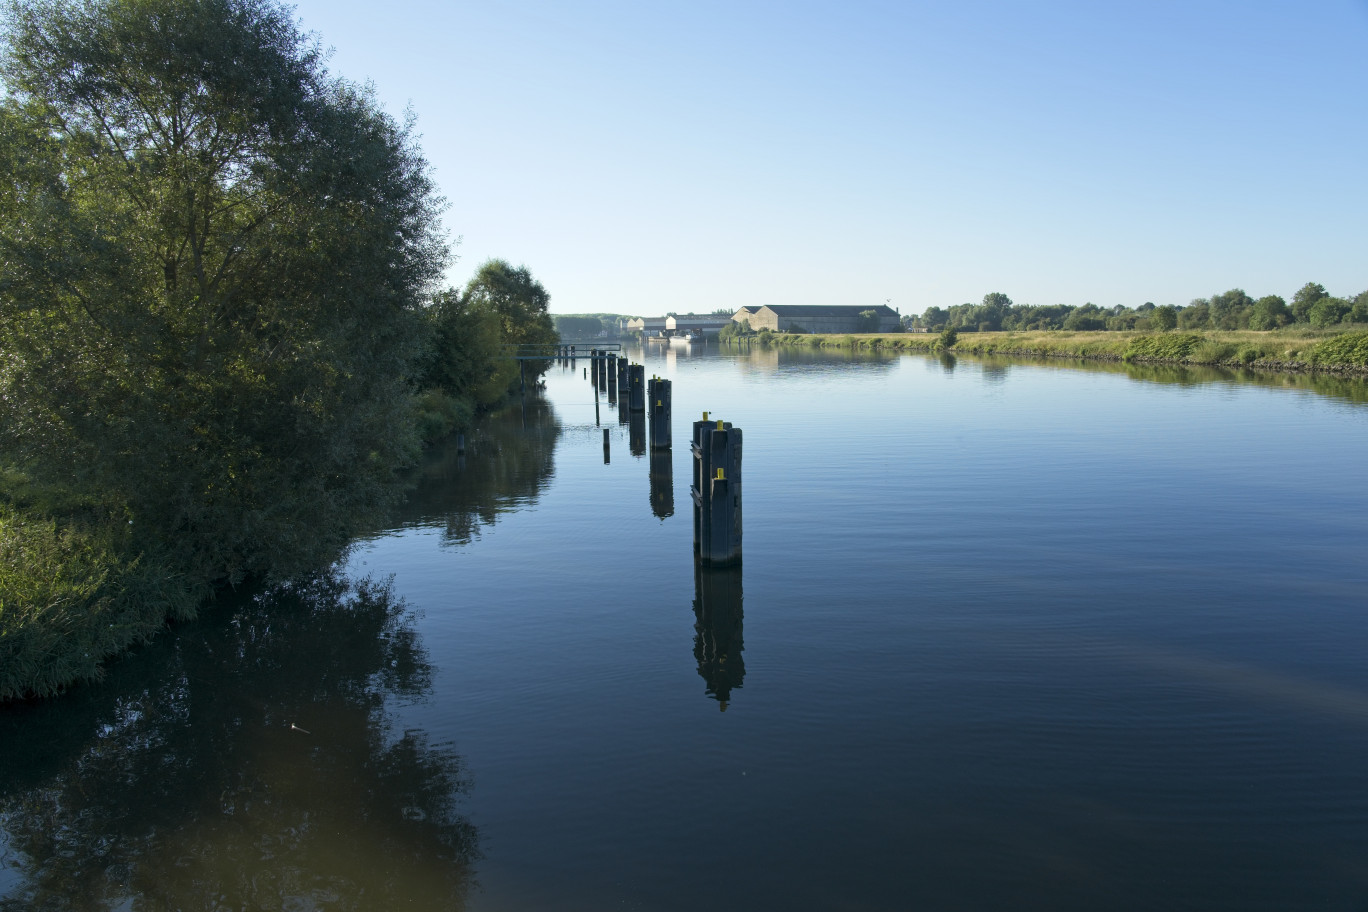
(704, 324)
(647, 326)
(838, 318)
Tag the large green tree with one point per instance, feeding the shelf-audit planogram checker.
(212, 259)
(1269, 312)
(1164, 318)
(467, 359)
(519, 299)
(1306, 298)
(1230, 310)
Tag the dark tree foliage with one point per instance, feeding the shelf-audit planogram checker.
(1306, 298)
(578, 327)
(1269, 312)
(473, 333)
(467, 358)
(520, 301)
(1164, 318)
(213, 256)
(1230, 310)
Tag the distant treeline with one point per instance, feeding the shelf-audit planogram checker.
(1311, 305)
(586, 326)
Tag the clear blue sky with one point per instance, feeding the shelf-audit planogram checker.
(642, 157)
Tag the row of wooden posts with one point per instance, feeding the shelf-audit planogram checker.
(715, 446)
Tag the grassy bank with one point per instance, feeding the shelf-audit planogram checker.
(1297, 349)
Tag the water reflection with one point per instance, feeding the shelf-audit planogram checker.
(248, 764)
(1335, 386)
(636, 434)
(662, 483)
(717, 630)
(509, 461)
(792, 359)
(995, 372)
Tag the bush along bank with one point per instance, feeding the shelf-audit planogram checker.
(1289, 350)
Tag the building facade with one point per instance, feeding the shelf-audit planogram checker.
(820, 319)
(647, 326)
(704, 324)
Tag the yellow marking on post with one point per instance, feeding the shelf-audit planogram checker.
(719, 425)
(720, 476)
(705, 416)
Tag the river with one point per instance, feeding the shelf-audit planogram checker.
(1006, 635)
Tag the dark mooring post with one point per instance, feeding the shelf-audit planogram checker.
(612, 373)
(605, 446)
(716, 491)
(638, 393)
(624, 378)
(658, 395)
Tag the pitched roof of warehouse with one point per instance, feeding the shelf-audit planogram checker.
(834, 310)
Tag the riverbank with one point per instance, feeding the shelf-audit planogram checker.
(1302, 349)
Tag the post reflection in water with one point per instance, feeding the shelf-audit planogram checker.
(636, 433)
(244, 764)
(662, 483)
(717, 630)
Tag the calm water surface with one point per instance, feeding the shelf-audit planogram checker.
(1007, 635)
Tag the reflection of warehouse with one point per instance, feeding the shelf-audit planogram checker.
(817, 319)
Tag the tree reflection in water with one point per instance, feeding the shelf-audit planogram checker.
(1349, 388)
(717, 630)
(509, 461)
(260, 771)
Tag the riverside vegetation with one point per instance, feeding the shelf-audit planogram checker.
(221, 331)
(1337, 350)
(1316, 332)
